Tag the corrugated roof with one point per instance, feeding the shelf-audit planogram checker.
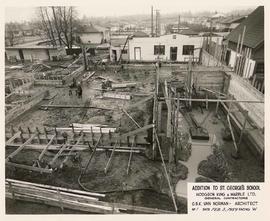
(254, 34)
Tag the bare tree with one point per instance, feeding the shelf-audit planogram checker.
(58, 24)
(12, 36)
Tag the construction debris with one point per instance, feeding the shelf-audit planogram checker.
(123, 85)
(116, 96)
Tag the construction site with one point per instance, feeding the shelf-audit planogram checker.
(126, 137)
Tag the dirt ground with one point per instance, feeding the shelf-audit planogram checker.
(145, 185)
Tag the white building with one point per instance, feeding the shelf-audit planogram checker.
(172, 47)
(33, 51)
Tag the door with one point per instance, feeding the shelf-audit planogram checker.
(137, 53)
(114, 55)
(173, 53)
(227, 58)
(21, 55)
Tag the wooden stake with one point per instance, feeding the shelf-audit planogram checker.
(166, 173)
(20, 148)
(110, 159)
(243, 128)
(130, 155)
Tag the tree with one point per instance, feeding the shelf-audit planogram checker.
(57, 22)
(12, 36)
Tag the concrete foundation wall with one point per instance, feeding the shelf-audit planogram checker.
(213, 80)
(242, 90)
(209, 60)
(21, 109)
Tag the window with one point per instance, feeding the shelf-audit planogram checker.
(124, 51)
(260, 68)
(159, 49)
(188, 49)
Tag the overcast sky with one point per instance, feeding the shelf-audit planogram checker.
(126, 7)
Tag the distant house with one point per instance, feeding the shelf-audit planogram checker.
(172, 47)
(252, 61)
(119, 47)
(175, 29)
(33, 51)
(92, 35)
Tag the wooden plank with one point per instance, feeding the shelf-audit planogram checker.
(79, 147)
(110, 159)
(71, 150)
(123, 85)
(47, 146)
(215, 100)
(10, 140)
(130, 155)
(22, 188)
(114, 137)
(20, 148)
(131, 118)
(116, 96)
(78, 125)
(57, 155)
(55, 188)
(91, 156)
(70, 204)
(73, 106)
(134, 132)
(31, 168)
(231, 130)
(165, 169)
(88, 130)
(89, 76)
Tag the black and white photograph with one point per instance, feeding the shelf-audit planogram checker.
(116, 109)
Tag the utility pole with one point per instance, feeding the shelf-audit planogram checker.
(152, 22)
(84, 57)
(178, 28)
(157, 23)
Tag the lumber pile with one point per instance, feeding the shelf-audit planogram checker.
(89, 128)
(123, 85)
(70, 198)
(88, 76)
(117, 96)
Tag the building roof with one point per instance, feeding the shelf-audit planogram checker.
(230, 20)
(116, 42)
(254, 34)
(32, 45)
(89, 29)
(140, 34)
(188, 32)
(218, 15)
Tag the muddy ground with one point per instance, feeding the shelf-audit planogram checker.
(144, 186)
